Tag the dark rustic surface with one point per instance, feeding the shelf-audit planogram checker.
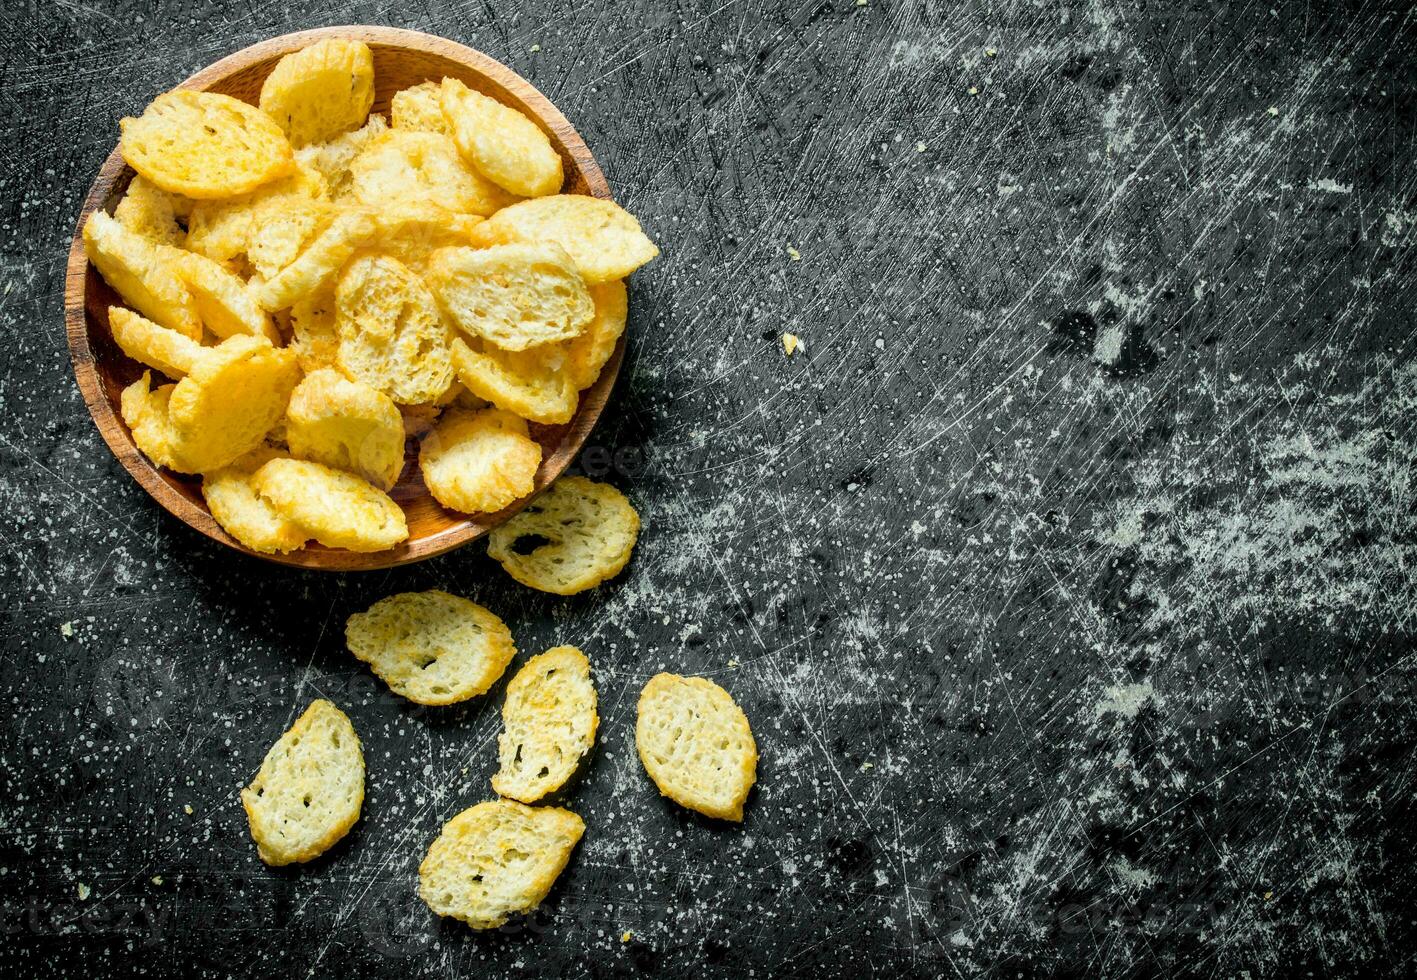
(1067, 576)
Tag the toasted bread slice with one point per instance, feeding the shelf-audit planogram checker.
(229, 400)
(390, 333)
(340, 510)
(587, 529)
(144, 409)
(529, 383)
(405, 166)
(172, 353)
(224, 305)
(695, 743)
(205, 145)
(320, 92)
(151, 212)
(243, 513)
(431, 647)
(412, 233)
(319, 263)
(314, 333)
(588, 353)
(502, 144)
(139, 270)
(309, 790)
(223, 230)
(497, 859)
(479, 462)
(346, 424)
(280, 230)
(604, 240)
(548, 725)
(419, 107)
(331, 160)
(515, 296)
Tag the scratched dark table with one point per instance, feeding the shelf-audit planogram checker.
(1066, 573)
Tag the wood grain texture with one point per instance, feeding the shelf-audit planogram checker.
(401, 59)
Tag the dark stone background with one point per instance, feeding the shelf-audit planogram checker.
(1068, 579)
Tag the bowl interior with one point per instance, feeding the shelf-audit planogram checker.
(401, 59)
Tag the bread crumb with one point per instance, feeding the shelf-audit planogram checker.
(67, 629)
(187, 809)
(790, 343)
(1273, 110)
(867, 765)
(157, 879)
(793, 254)
(733, 663)
(920, 147)
(535, 48)
(990, 52)
(84, 892)
(1268, 896)
(973, 90)
(625, 937)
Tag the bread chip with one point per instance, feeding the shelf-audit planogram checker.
(431, 647)
(320, 92)
(224, 230)
(223, 303)
(229, 400)
(479, 462)
(309, 790)
(411, 233)
(146, 412)
(346, 424)
(314, 334)
(524, 383)
(205, 145)
(331, 160)
(548, 725)
(340, 510)
(505, 146)
(151, 212)
(243, 513)
(319, 263)
(588, 353)
(390, 333)
(281, 228)
(170, 352)
(516, 296)
(409, 167)
(695, 743)
(420, 108)
(587, 530)
(604, 239)
(497, 859)
(139, 270)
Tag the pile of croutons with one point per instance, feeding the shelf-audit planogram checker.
(320, 285)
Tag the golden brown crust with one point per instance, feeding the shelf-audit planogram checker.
(309, 790)
(497, 859)
(431, 647)
(589, 531)
(205, 145)
(695, 743)
(548, 725)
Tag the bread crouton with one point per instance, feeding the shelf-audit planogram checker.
(548, 725)
(309, 790)
(695, 743)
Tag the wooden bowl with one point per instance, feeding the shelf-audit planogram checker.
(401, 58)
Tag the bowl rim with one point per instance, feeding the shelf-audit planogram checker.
(116, 434)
